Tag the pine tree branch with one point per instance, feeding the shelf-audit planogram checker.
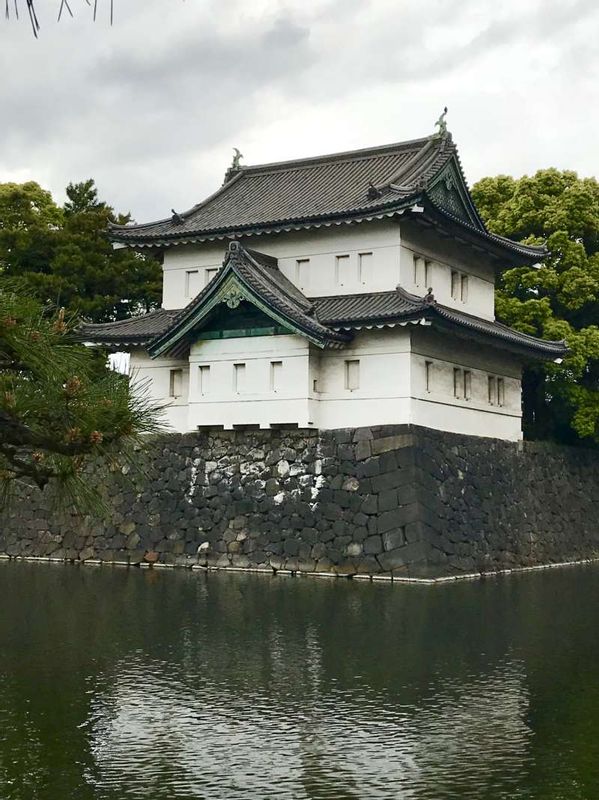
(16, 433)
(62, 5)
(21, 468)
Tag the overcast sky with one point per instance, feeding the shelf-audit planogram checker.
(152, 107)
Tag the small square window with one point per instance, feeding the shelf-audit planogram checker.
(467, 384)
(209, 274)
(457, 383)
(428, 275)
(464, 288)
(352, 375)
(419, 270)
(341, 270)
(364, 266)
(238, 378)
(204, 379)
(500, 392)
(302, 268)
(192, 282)
(176, 383)
(455, 285)
(276, 370)
(428, 375)
(492, 389)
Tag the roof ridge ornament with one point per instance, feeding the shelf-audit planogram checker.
(238, 155)
(429, 298)
(235, 165)
(176, 219)
(441, 123)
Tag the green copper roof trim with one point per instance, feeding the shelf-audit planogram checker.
(450, 191)
(240, 333)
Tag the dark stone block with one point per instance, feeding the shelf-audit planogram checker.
(390, 480)
(394, 539)
(463, 504)
(291, 547)
(373, 545)
(400, 557)
(388, 500)
(362, 450)
(369, 504)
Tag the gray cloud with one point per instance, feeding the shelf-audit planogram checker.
(152, 106)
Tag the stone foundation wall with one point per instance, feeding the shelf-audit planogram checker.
(390, 501)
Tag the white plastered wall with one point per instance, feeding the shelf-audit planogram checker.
(153, 376)
(446, 256)
(438, 408)
(383, 395)
(255, 400)
(344, 259)
(311, 384)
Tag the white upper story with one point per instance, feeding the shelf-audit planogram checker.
(361, 258)
(394, 318)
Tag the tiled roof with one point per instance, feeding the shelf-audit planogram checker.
(342, 187)
(303, 189)
(351, 311)
(136, 330)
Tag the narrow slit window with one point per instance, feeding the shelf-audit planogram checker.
(419, 270)
(352, 375)
(500, 392)
(204, 379)
(176, 383)
(364, 267)
(457, 383)
(455, 285)
(467, 384)
(302, 266)
(192, 282)
(276, 371)
(428, 375)
(492, 389)
(238, 378)
(464, 288)
(315, 388)
(428, 275)
(209, 274)
(341, 270)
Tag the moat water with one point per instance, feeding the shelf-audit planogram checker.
(155, 684)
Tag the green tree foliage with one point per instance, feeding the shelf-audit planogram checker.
(60, 405)
(559, 300)
(65, 258)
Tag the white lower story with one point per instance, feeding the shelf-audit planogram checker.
(403, 375)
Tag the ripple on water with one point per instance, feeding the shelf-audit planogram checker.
(200, 737)
(119, 685)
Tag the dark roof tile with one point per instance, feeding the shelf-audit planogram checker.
(136, 330)
(309, 188)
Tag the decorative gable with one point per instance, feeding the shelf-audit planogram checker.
(450, 192)
(247, 280)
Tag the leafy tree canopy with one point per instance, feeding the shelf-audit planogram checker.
(60, 405)
(559, 300)
(63, 256)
